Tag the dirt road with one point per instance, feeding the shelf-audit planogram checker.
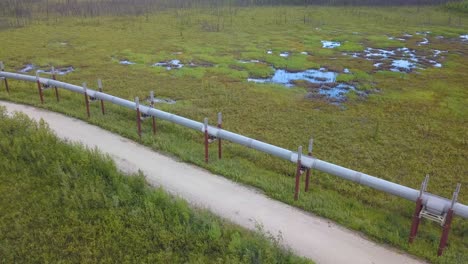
(316, 238)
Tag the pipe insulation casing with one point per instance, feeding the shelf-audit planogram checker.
(432, 202)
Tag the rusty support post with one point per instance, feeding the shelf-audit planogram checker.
(102, 101)
(417, 211)
(39, 88)
(86, 100)
(445, 232)
(152, 106)
(308, 171)
(416, 220)
(55, 87)
(2, 68)
(138, 116)
(206, 139)
(220, 148)
(298, 173)
(448, 223)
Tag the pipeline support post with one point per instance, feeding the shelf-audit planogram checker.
(205, 124)
(448, 222)
(417, 211)
(308, 170)
(2, 68)
(39, 87)
(55, 87)
(138, 116)
(102, 101)
(299, 171)
(152, 106)
(86, 100)
(220, 123)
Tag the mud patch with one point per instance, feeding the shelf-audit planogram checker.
(169, 65)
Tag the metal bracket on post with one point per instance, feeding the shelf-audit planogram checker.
(138, 117)
(418, 210)
(448, 222)
(39, 87)
(55, 87)
(299, 171)
(152, 106)
(2, 68)
(145, 116)
(205, 125)
(102, 101)
(220, 124)
(86, 100)
(308, 170)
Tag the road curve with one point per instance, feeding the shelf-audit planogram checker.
(307, 235)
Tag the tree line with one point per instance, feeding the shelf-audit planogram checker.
(23, 11)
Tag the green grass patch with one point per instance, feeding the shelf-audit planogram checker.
(61, 202)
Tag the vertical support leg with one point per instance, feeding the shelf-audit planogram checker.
(448, 222)
(416, 220)
(307, 180)
(298, 173)
(2, 68)
(206, 139)
(220, 148)
(6, 85)
(86, 100)
(39, 88)
(138, 116)
(152, 106)
(102, 101)
(308, 171)
(55, 87)
(445, 232)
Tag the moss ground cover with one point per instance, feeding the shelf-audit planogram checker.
(415, 124)
(64, 203)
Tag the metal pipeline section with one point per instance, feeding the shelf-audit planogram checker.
(432, 202)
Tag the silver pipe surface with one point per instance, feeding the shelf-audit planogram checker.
(436, 203)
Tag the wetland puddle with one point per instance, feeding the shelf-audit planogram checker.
(126, 62)
(177, 64)
(401, 59)
(59, 71)
(320, 83)
(161, 100)
(330, 44)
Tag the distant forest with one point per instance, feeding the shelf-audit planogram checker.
(24, 11)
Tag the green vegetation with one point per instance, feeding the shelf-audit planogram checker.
(64, 203)
(413, 125)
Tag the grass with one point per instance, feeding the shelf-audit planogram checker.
(65, 203)
(415, 125)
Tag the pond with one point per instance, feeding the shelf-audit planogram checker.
(324, 82)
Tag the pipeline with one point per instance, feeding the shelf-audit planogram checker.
(433, 203)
